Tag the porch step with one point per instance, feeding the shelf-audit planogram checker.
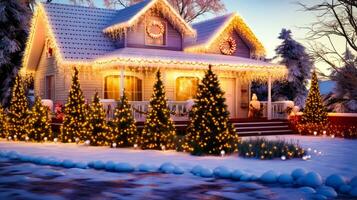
(264, 133)
(259, 128)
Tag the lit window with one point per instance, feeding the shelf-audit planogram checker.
(186, 88)
(132, 86)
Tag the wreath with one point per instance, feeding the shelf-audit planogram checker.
(157, 24)
(232, 46)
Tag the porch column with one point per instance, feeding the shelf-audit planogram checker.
(121, 88)
(269, 98)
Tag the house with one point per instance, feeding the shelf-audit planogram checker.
(117, 49)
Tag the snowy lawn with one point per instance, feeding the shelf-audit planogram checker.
(337, 156)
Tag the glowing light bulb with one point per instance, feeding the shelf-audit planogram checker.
(223, 153)
(283, 157)
(332, 136)
(45, 138)
(9, 138)
(77, 140)
(315, 133)
(27, 138)
(114, 145)
(163, 147)
(135, 146)
(55, 140)
(87, 142)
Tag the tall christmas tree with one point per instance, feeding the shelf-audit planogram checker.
(75, 122)
(97, 123)
(209, 130)
(3, 123)
(158, 131)
(124, 128)
(18, 111)
(315, 111)
(38, 123)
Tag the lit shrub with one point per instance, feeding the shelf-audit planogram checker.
(261, 148)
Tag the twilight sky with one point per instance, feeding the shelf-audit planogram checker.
(266, 18)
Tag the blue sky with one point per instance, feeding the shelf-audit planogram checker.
(266, 18)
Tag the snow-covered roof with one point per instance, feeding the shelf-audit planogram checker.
(207, 28)
(210, 30)
(78, 30)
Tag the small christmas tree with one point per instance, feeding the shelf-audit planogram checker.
(315, 111)
(3, 123)
(158, 131)
(124, 128)
(209, 130)
(75, 122)
(97, 123)
(18, 111)
(38, 123)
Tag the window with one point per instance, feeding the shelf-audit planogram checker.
(186, 88)
(50, 87)
(49, 50)
(132, 86)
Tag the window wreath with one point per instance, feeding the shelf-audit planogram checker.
(155, 24)
(232, 46)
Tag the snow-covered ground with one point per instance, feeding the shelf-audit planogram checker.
(27, 169)
(337, 156)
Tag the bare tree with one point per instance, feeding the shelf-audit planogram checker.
(81, 2)
(188, 9)
(335, 19)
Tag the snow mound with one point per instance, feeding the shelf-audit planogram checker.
(178, 170)
(81, 165)
(285, 179)
(353, 192)
(245, 177)
(297, 173)
(222, 172)
(335, 181)
(269, 177)
(196, 170)
(206, 173)
(110, 166)
(167, 168)
(98, 164)
(146, 168)
(312, 179)
(320, 197)
(68, 164)
(236, 174)
(344, 189)
(124, 167)
(327, 191)
(308, 190)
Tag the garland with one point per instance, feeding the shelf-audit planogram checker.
(157, 24)
(232, 46)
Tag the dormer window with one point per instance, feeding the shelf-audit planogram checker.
(155, 33)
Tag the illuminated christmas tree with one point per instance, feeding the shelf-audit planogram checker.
(315, 111)
(124, 128)
(158, 131)
(97, 123)
(38, 123)
(75, 122)
(18, 111)
(3, 123)
(209, 130)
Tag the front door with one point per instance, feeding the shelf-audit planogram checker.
(228, 86)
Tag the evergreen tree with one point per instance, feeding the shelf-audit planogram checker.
(158, 131)
(13, 34)
(97, 123)
(299, 65)
(124, 128)
(75, 122)
(18, 111)
(3, 123)
(209, 130)
(38, 123)
(343, 98)
(314, 111)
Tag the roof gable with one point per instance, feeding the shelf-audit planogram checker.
(209, 30)
(128, 17)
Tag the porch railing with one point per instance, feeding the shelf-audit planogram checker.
(179, 109)
(278, 109)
